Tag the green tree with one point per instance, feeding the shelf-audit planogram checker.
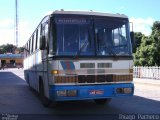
(156, 35)
(148, 53)
(9, 48)
(138, 38)
(21, 49)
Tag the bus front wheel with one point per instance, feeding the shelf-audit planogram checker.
(45, 101)
(102, 101)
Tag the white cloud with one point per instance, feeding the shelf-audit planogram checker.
(142, 25)
(7, 32)
(24, 33)
(6, 23)
(7, 36)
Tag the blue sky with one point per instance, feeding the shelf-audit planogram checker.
(141, 12)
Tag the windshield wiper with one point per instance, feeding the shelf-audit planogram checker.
(80, 50)
(84, 45)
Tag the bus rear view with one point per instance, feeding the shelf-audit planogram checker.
(86, 56)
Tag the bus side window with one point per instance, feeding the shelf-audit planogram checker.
(38, 37)
(29, 46)
(27, 50)
(44, 37)
(51, 39)
(46, 34)
(33, 43)
(35, 38)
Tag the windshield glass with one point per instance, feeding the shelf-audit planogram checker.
(74, 35)
(112, 37)
(99, 37)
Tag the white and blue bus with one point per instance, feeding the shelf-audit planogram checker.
(77, 55)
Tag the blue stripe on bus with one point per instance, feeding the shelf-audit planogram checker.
(83, 91)
(68, 65)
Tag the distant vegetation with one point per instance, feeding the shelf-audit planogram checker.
(9, 48)
(147, 48)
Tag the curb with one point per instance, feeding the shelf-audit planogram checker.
(146, 81)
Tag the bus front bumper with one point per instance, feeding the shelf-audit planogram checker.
(84, 92)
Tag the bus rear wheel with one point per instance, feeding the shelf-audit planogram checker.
(29, 84)
(45, 101)
(102, 101)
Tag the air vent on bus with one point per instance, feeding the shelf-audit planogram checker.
(87, 65)
(104, 65)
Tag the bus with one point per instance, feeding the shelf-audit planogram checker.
(0, 65)
(80, 55)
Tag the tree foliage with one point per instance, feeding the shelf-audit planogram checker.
(10, 48)
(148, 53)
(138, 37)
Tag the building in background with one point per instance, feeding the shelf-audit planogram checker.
(10, 60)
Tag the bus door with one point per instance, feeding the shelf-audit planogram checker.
(45, 57)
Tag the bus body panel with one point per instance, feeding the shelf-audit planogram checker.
(119, 67)
(84, 92)
(90, 67)
(35, 69)
(0, 65)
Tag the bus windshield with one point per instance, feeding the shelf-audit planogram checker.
(112, 37)
(72, 35)
(98, 37)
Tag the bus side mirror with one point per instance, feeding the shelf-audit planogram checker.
(132, 38)
(42, 43)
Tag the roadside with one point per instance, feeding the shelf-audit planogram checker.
(147, 88)
(145, 81)
(16, 71)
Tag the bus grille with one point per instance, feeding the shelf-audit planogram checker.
(93, 78)
(104, 78)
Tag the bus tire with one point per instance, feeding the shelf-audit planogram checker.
(27, 80)
(45, 101)
(102, 101)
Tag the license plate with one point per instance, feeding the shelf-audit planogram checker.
(96, 92)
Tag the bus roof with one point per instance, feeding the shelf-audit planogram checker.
(90, 13)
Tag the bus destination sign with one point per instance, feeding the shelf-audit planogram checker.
(71, 21)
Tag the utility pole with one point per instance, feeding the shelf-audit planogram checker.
(16, 22)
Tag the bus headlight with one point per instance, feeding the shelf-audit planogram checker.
(124, 90)
(54, 72)
(127, 90)
(119, 90)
